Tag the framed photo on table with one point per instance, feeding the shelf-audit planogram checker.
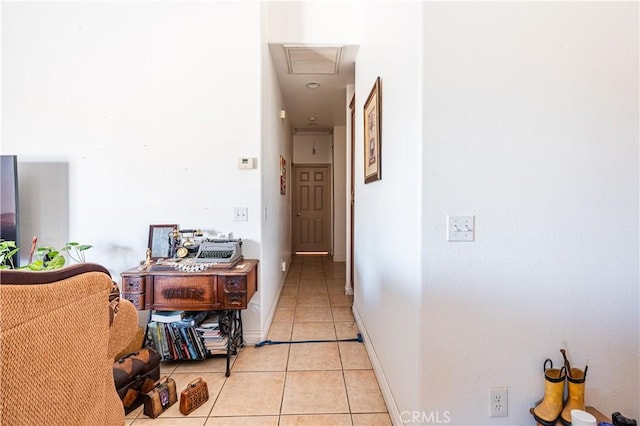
(373, 133)
(160, 240)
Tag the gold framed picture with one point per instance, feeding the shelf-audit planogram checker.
(283, 176)
(373, 133)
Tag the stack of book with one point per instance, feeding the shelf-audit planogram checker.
(167, 316)
(214, 340)
(175, 335)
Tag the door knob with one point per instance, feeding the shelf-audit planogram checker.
(298, 214)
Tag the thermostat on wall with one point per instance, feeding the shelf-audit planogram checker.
(246, 163)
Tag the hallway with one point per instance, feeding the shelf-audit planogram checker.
(290, 384)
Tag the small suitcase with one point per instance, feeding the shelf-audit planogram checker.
(134, 375)
(162, 395)
(195, 394)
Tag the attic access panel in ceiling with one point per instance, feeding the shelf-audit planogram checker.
(303, 59)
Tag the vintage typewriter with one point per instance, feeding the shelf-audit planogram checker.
(219, 251)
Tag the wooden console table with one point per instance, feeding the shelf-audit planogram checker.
(597, 414)
(214, 289)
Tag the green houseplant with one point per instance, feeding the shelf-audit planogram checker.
(45, 258)
(7, 250)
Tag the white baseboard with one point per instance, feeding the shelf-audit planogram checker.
(392, 407)
(252, 338)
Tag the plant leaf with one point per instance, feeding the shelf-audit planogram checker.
(36, 266)
(56, 263)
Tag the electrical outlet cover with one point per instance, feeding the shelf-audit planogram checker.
(498, 402)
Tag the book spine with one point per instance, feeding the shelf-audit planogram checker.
(187, 340)
(170, 341)
(197, 342)
(176, 343)
(160, 346)
(179, 343)
(152, 332)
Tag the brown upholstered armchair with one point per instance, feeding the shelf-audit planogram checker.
(58, 339)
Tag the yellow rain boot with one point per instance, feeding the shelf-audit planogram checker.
(549, 409)
(575, 386)
(575, 401)
(575, 380)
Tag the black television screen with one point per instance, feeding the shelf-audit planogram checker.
(9, 200)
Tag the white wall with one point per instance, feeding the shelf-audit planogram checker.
(42, 185)
(144, 101)
(312, 149)
(276, 225)
(388, 212)
(530, 124)
(315, 22)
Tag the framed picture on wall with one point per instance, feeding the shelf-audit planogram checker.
(373, 133)
(283, 176)
(160, 240)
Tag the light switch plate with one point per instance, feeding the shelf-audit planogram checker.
(240, 214)
(460, 228)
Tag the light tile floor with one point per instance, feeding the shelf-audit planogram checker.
(290, 384)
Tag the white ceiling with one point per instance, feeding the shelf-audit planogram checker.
(314, 64)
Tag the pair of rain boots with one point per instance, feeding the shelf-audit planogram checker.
(553, 405)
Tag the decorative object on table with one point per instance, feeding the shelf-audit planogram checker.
(373, 133)
(220, 250)
(283, 176)
(189, 265)
(162, 396)
(161, 240)
(582, 418)
(135, 375)
(195, 394)
(620, 420)
(190, 239)
(553, 405)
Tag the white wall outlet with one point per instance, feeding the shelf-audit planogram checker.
(240, 214)
(498, 402)
(460, 228)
